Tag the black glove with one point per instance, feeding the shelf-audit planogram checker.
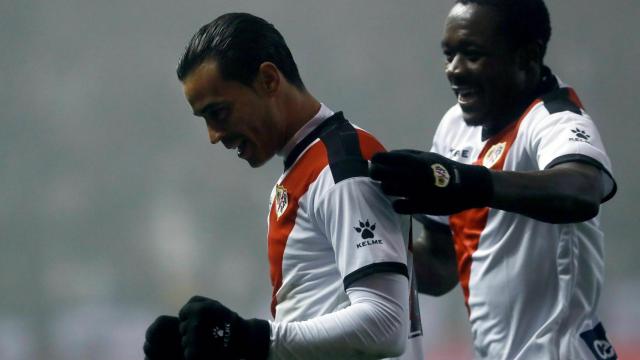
(212, 331)
(430, 183)
(162, 340)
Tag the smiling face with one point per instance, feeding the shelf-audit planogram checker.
(241, 117)
(482, 69)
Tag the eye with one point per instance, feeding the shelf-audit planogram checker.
(448, 56)
(217, 115)
(473, 55)
(222, 114)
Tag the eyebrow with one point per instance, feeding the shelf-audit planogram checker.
(463, 44)
(209, 107)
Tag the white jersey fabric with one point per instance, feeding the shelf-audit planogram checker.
(531, 288)
(331, 227)
(373, 326)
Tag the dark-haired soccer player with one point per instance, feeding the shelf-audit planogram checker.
(339, 255)
(515, 176)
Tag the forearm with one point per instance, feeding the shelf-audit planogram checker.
(564, 194)
(374, 326)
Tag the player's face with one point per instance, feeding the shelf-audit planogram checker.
(480, 66)
(239, 116)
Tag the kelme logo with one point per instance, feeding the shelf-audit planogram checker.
(366, 230)
(580, 135)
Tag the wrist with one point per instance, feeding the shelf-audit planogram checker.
(254, 339)
(480, 185)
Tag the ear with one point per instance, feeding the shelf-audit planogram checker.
(530, 55)
(269, 78)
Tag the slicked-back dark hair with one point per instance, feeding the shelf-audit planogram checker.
(523, 21)
(239, 43)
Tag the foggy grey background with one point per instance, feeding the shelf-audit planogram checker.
(114, 207)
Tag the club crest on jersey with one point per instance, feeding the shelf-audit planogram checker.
(494, 154)
(282, 200)
(440, 175)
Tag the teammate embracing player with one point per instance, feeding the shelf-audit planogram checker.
(515, 177)
(339, 255)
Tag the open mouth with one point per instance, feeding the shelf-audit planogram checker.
(466, 95)
(241, 148)
(239, 144)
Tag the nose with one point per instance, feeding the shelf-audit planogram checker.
(214, 136)
(455, 67)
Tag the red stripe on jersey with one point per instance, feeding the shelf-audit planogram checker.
(300, 176)
(573, 97)
(369, 145)
(467, 226)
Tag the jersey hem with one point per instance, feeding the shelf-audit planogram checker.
(587, 160)
(381, 267)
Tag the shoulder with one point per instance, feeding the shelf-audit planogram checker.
(348, 149)
(338, 151)
(562, 99)
(559, 106)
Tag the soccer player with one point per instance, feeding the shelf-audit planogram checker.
(515, 177)
(339, 255)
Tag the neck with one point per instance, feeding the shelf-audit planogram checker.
(532, 89)
(298, 108)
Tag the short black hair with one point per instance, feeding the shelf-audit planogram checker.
(239, 43)
(523, 21)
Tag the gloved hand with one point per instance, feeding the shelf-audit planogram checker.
(211, 331)
(430, 183)
(162, 340)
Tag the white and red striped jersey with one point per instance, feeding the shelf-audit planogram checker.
(330, 225)
(531, 288)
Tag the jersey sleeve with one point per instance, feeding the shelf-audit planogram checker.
(367, 236)
(374, 325)
(570, 137)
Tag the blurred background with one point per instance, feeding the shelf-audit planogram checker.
(114, 207)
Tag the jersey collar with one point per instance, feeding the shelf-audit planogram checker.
(310, 134)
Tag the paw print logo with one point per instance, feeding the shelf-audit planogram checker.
(217, 332)
(223, 333)
(579, 133)
(366, 229)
